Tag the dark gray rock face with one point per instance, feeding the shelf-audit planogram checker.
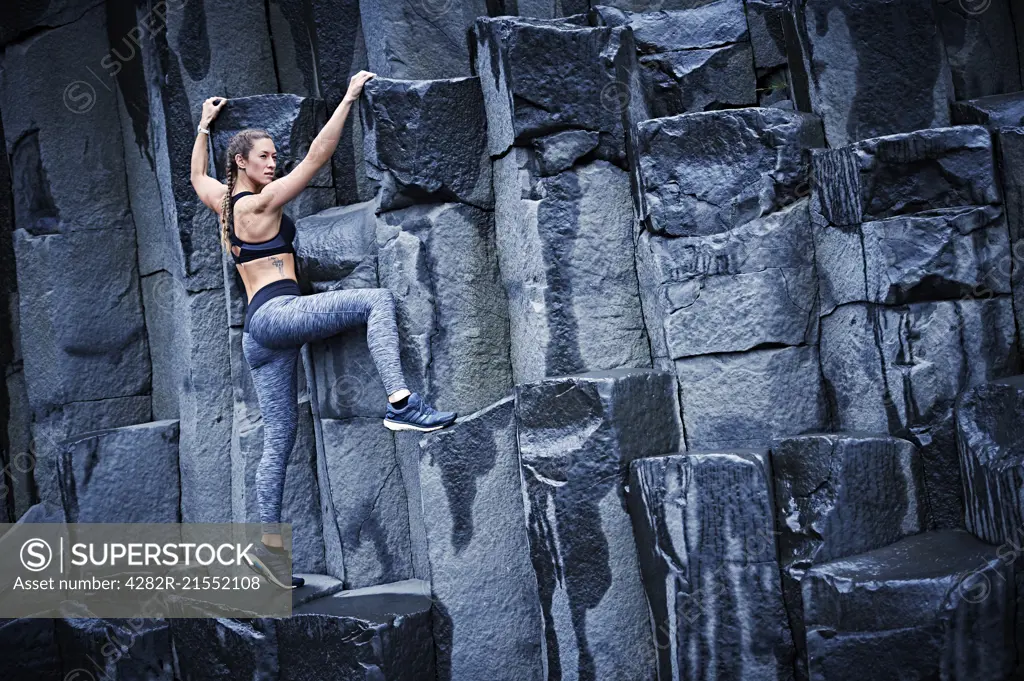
(122, 475)
(30, 647)
(426, 141)
(850, 72)
(914, 262)
(981, 46)
(898, 369)
(942, 603)
(115, 649)
(577, 436)
(565, 244)
(441, 261)
(704, 534)
(381, 632)
(705, 173)
(523, 65)
(480, 550)
(991, 458)
(419, 39)
(840, 494)
(766, 22)
(363, 503)
(995, 111)
(837, 495)
(904, 174)
(706, 25)
(1011, 165)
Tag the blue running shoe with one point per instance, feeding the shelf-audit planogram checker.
(417, 415)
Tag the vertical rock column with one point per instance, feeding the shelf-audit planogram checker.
(846, 71)
(914, 263)
(562, 195)
(727, 276)
(82, 329)
(435, 240)
(704, 524)
(483, 581)
(363, 507)
(577, 436)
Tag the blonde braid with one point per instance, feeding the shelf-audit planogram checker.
(241, 143)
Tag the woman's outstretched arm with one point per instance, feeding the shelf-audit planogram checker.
(281, 191)
(210, 191)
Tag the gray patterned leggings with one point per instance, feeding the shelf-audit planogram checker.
(271, 348)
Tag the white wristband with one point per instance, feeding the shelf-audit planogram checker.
(203, 130)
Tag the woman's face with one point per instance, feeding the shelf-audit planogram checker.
(262, 162)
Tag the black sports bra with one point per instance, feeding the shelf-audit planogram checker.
(282, 243)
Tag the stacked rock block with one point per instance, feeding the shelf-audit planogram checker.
(727, 279)
(363, 511)
(704, 524)
(381, 632)
(85, 353)
(691, 59)
(862, 576)
(914, 260)
(562, 204)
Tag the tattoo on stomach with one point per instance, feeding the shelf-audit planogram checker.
(278, 263)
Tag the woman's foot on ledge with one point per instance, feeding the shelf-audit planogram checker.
(417, 415)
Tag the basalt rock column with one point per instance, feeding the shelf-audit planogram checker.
(562, 198)
(727, 281)
(914, 263)
(577, 436)
(82, 329)
(704, 524)
(479, 550)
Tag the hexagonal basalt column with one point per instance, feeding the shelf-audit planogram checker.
(577, 436)
(704, 524)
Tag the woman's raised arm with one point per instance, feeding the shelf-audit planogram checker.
(281, 191)
(210, 191)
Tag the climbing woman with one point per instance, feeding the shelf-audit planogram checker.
(278, 318)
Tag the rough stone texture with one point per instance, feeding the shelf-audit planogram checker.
(1011, 165)
(577, 436)
(524, 65)
(935, 605)
(707, 172)
(363, 503)
(115, 649)
(980, 46)
(704, 524)
(122, 475)
(539, 9)
(995, 111)
(300, 504)
(765, 20)
(836, 495)
(991, 458)
(419, 39)
(899, 369)
(699, 80)
(903, 174)
(441, 262)
(480, 551)
(850, 73)
(736, 290)
(744, 399)
(381, 632)
(938, 254)
(565, 244)
(426, 141)
(705, 25)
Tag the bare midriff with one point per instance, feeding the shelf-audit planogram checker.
(259, 272)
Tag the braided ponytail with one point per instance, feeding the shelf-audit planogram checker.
(240, 143)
